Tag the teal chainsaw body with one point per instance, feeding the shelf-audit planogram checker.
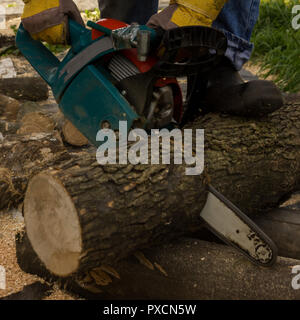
(83, 93)
(90, 97)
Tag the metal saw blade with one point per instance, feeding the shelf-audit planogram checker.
(230, 224)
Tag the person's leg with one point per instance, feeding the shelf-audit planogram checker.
(128, 11)
(237, 20)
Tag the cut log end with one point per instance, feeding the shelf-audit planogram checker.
(73, 136)
(52, 225)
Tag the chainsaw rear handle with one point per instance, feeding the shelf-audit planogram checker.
(41, 58)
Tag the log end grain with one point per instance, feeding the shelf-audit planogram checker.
(52, 225)
(73, 136)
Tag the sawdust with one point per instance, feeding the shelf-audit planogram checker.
(294, 199)
(16, 279)
(57, 294)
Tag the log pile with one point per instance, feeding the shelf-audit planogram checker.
(80, 215)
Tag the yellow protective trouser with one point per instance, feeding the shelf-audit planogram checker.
(196, 12)
(47, 20)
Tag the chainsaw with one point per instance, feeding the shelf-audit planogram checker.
(117, 72)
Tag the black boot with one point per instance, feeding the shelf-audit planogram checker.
(227, 92)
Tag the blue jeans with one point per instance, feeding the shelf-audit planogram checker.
(236, 20)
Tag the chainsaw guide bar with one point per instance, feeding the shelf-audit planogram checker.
(232, 226)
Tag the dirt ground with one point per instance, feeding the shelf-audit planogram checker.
(10, 223)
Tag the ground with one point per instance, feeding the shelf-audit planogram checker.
(10, 223)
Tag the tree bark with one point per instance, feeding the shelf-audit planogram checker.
(192, 269)
(185, 269)
(23, 156)
(101, 214)
(254, 163)
(27, 88)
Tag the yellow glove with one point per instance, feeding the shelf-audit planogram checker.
(47, 20)
(182, 13)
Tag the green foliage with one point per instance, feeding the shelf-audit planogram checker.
(93, 15)
(277, 44)
(14, 28)
(56, 48)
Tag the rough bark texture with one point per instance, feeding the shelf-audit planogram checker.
(27, 88)
(255, 163)
(267, 152)
(185, 269)
(22, 157)
(192, 269)
(122, 208)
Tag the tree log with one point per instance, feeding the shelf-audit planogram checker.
(23, 156)
(254, 163)
(100, 214)
(9, 108)
(36, 118)
(192, 269)
(123, 198)
(27, 88)
(185, 269)
(72, 135)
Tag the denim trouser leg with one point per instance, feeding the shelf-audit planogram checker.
(128, 11)
(237, 20)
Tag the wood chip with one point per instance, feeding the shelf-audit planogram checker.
(143, 260)
(110, 271)
(161, 269)
(101, 278)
